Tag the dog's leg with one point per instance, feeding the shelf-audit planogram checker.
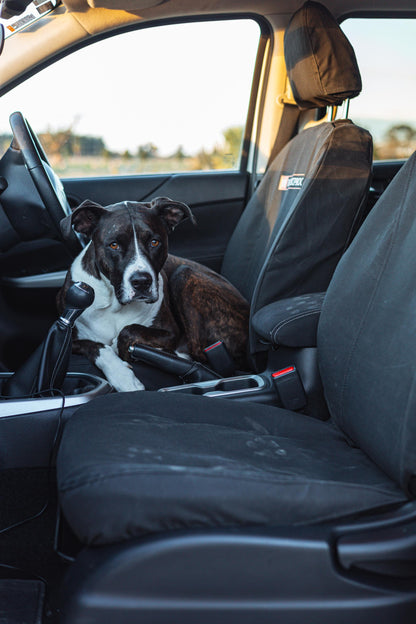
(150, 336)
(116, 371)
(218, 312)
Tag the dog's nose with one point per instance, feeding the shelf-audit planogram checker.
(141, 281)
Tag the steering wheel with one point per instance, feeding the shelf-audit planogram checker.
(48, 184)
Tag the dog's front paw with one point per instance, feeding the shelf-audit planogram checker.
(118, 372)
(124, 380)
(127, 385)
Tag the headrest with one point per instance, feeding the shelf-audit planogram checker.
(320, 61)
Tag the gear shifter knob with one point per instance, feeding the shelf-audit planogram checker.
(79, 296)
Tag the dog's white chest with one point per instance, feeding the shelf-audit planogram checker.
(105, 324)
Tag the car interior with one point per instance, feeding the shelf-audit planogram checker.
(281, 492)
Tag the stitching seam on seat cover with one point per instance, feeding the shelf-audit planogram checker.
(375, 290)
(291, 320)
(99, 479)
(323, 89)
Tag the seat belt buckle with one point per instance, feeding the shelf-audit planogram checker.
(289, 388)
(219, 359)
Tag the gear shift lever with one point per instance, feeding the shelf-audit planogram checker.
(46, 368)
(78, 298)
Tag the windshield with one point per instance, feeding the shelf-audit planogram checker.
(35, 11)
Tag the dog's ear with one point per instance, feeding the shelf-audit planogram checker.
(84, 219)
(171, 212)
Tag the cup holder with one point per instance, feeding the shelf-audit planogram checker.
(188, 389)
(238, 383)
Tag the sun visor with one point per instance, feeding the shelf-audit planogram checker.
(320, 61)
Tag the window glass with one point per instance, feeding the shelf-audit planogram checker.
(386, 49)
(171, 98)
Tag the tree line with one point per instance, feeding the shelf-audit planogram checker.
(66, 143)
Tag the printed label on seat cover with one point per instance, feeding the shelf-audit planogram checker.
(288, 182)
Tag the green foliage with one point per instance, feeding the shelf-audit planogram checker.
(179, 153)
(148, 150)
(401, 134)
(398, 142)
(233, 137)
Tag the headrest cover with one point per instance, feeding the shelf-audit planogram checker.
(320, 61)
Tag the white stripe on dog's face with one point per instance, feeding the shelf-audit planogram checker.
(139, 263)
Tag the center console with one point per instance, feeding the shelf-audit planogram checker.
(30, 427)
(36, 400)
(286, 345)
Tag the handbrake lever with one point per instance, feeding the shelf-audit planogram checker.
(187, 370)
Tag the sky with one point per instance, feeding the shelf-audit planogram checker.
(184, 84)
(385, 50)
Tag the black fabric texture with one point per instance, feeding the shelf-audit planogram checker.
(29, 547)
(290, 322)
(320, 61)
(367, 333)
(138, 463)
(21, 601)
(293, 239)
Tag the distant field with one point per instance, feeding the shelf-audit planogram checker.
(90, 166)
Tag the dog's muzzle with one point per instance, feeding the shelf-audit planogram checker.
(141, 283)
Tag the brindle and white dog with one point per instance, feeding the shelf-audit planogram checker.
(143, 295)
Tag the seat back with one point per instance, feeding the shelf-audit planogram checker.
(367, 334)
(301, 218)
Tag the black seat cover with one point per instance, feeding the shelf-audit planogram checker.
(134, 464)
(145, 462)
(367, 334)
(298, 224)
(310, 202)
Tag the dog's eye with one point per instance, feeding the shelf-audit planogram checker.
(154, 242)
(114, 245)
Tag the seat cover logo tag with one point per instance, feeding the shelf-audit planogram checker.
(288, 182)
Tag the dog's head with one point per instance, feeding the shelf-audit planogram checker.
(130, 242)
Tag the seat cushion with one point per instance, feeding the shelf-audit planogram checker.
(137, 463)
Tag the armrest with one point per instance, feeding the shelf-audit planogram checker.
(290, 322)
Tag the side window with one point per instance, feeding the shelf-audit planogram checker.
(386, 49)
(164, 99)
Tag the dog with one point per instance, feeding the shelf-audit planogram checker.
(143, 294)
